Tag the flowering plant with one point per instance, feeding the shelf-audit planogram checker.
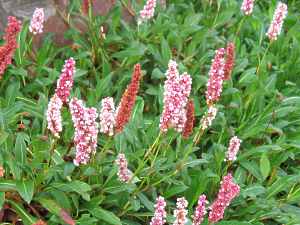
(186, 114)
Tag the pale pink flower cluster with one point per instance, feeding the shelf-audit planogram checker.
(216, 77)
(234, 146)
(37, 21)
(200, 210)
(53, 115)
(228, 191)
(107, 116)
(160, 214)
(124, 173)
(208, 118)
(86, 130)
(277, 22)
(180, 213)
(62, 93)
(65, 81)
(148, 11)
(247, 7)
(177, 89)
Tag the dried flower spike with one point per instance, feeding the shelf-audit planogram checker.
(200, 210)
(86, 130)
(10, 45)
(216, 76)
(247, 7)
(148, 11)
(229, 63)
(54, 115)
(177, 89)
(124, 173)
(277, 22)
(228, 191)
(234, 146)
(107, 116)
(160, 214)
(180, 213)
(207, 119)
(65, 81)
(190, 118)
(127, 102)
(37, 21)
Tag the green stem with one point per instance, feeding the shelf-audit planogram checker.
(239, 28)
(52, 148)
(264, 55)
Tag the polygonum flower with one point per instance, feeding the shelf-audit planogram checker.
(216, 77)
(180, 213)
(65, 81)
(160, 214)
(37, 21)
(107, 116)
(124, 173)
(229, 62)
(228, 191)
(200, 210)
(177, 89)
(277, 22)
(86, 130)
(54, 115)
(247, 7)
(148, 11)
(234, 146)
(127, 102)
(10, 43)
(207, 119)
(190, 117)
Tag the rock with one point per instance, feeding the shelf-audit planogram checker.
(54, 9)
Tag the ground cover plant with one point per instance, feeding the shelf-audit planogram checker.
(189, 114)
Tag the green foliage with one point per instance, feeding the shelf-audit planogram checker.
(262, 108)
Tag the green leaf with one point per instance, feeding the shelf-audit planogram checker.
(2, 199)
(106, 216)
(175, 190)
(26, 189)
(75, 186)
(265, 165)
(8, 185)
(20, 148)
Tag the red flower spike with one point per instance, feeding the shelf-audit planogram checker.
(229, 63)
(190, 118)
(128, 99)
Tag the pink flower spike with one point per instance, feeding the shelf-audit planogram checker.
(54, 115)
(208, 118)
(124, 173)
(37, 21)
(247, 7)
(148, 11)
(177, 89)
(200, 210)
(228, 191)
(234, 146)
(65, 81)
(277, 22)
(107, 116)
(86, 130)
(160, 214)
(180, 213)
(216, 77)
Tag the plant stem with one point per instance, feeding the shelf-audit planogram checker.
(264, 55)
(52, 148)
